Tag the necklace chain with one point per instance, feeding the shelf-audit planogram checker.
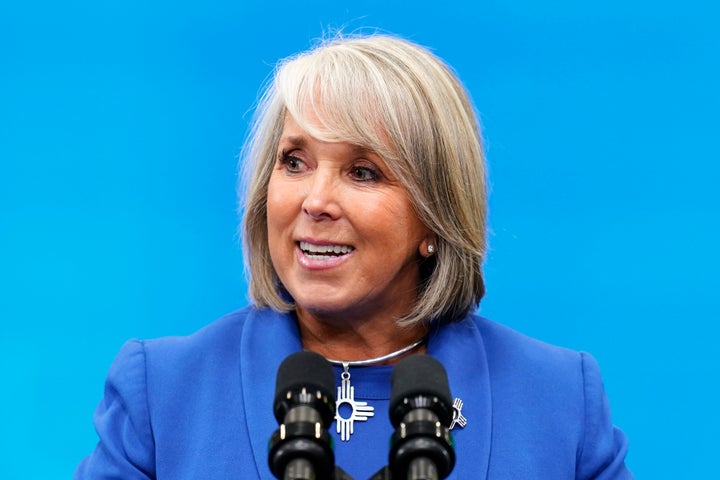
(374, 361)
(361, 411)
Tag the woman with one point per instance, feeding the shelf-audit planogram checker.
(364, 234)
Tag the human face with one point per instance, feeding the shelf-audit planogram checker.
(344, 239)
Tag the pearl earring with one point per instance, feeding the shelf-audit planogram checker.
(431, 249)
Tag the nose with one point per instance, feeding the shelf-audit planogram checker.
(322, 197)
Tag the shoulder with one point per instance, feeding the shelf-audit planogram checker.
(516, 358)
(212, 347)
(167, 398)
(517, 368)
(221, 331)
(532, 368)
(514, 350)
(168, 363)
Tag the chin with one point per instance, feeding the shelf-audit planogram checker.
(322, 308)
(326, 308)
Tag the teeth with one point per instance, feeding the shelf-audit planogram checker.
(325, 249)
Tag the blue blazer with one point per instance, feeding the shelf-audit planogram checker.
(200, 406)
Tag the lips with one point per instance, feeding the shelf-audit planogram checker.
(324, 251)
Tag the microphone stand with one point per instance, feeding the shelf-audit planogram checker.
(419, 469)
(299, 469)
(302, 469)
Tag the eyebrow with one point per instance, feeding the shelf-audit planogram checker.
(295, 140)
(301, 141)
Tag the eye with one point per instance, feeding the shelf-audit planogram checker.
(364, 174)
(291, 162)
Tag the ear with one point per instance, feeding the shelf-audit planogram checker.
(428, 246)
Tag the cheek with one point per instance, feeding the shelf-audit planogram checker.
(279, 203)
(279, 215)
(278, 224)
(398, 214)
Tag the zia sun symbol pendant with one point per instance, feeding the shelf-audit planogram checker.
(458, 417)
(360, 411)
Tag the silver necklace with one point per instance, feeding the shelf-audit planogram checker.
(361, 411)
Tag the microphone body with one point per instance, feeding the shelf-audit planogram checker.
(421, 412)
(304, 406)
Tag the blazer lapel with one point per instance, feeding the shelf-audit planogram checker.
(268, 337)
(460, 348)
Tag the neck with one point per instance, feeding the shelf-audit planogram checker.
(352, 341)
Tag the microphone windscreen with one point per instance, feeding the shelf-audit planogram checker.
(308, 370)
(420, 376)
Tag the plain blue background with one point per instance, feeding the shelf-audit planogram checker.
(120, 125)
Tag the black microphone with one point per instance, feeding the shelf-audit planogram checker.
(304, 406)
(421, 412)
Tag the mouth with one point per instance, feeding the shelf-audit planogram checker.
(321, 252)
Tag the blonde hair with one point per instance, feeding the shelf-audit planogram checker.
(402, 102)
